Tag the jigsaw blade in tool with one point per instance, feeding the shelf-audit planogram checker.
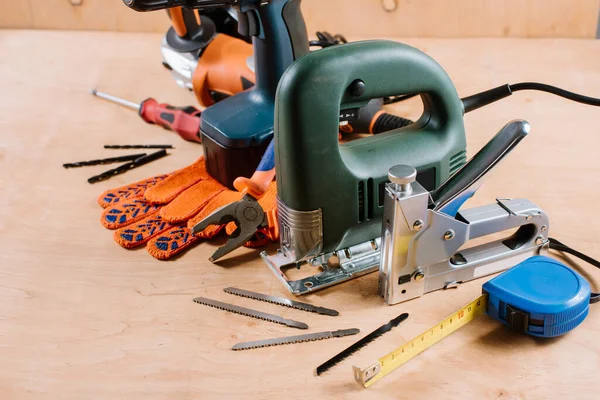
(295, 339)
(250, 313)
(361, 343)
(281, 301)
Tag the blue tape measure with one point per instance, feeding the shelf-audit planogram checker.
(540, 297)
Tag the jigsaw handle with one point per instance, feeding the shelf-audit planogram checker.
(447, 198)
(315, 172)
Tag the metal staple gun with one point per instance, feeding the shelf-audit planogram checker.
(423, 232)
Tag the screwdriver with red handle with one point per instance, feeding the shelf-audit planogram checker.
(185, 121)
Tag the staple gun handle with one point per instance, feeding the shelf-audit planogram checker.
(512, 213)
(449, 196)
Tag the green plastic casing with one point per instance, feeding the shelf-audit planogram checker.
(345, 181)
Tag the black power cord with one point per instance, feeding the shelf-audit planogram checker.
(479, 100)
(487, 97)
(559, 246)
(490, 96)
(498, 93)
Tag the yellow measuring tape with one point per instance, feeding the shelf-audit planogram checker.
(406, 352)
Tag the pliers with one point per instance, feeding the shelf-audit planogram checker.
(247, 214)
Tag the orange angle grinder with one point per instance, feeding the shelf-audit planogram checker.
(206, 54)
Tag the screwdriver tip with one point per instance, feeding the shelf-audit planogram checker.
(93, 91)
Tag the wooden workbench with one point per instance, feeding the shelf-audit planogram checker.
(82, 318)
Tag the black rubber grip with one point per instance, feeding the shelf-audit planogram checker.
(386, 122)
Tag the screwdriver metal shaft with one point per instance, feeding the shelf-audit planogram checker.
(185, 121)
(117, 100)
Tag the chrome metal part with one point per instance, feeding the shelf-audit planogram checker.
(248, 216)
(398, 230)
(443, 263)
(436, 251)
(363, 376)
(449, 234)
(250, 313)
(181, 64)
(418, 225)
(401, 176)
(418, 275)
(301, 232)
(501, 201)
(330, 268)
(117, 100)
(295, 339)
(281, 301)
(451, 285)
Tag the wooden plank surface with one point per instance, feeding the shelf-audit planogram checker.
(16, 14)
(457, 18)
(81, 318)
(423, 18)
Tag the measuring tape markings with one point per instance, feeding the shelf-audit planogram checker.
(406, 352)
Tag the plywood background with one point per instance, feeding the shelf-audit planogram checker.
(366, 18)
(83, 319)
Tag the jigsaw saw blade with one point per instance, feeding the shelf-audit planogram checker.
(361, 343)
(295, 339)
(250, 313)
(281, 301)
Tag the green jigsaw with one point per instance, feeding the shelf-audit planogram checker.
(331, 195)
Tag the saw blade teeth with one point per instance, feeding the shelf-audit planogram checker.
(283, 321)
(326, 366)
(360, 344)
(273, 300)
(248, 296)
(311, 337)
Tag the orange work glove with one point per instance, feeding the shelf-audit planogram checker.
(156, 211)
